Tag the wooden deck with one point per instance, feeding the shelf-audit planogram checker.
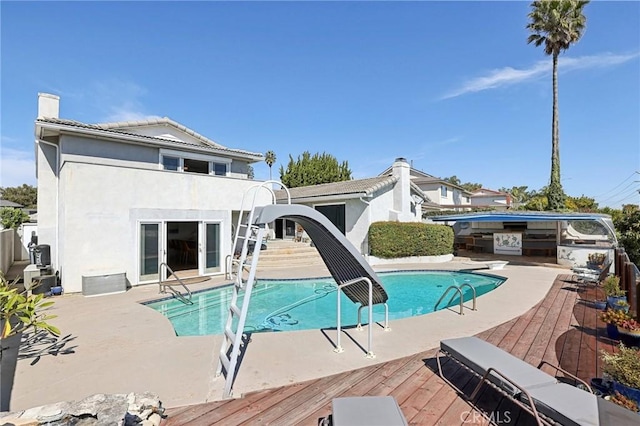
(563, 329)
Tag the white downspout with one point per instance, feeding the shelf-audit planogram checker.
(39, 141)
(368, 203)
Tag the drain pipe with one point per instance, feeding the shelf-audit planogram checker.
(57, 175)
(368, 204)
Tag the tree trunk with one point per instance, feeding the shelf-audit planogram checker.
(555, 194)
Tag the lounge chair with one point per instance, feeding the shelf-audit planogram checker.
(365, 411)
(535, 391)
(590, 276)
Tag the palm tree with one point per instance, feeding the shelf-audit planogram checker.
(557, 24)
(270, 158)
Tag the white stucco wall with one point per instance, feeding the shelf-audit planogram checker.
(102, 206)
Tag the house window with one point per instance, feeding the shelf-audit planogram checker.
(219, 169)
(443, 191)
(171, 163)
(196, 166)
(466, 199)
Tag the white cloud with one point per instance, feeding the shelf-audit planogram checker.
(509, 76)
(17, 167)
(120, 100)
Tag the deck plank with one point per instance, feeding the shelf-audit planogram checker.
(563, 328)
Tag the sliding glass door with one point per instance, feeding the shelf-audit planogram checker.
(150, 249)
(212, 251)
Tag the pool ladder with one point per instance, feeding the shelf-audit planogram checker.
(458, 289)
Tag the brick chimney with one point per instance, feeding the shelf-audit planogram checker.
(48, 106)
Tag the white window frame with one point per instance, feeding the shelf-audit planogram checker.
(181, 155)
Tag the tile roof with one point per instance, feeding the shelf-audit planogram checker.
(359, 188)
(112, 128)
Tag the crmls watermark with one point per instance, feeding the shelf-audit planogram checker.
(494, 417)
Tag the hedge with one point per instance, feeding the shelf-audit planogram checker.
(391, 240)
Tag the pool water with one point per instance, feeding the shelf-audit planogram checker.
(284, 305)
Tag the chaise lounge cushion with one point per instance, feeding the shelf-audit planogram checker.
(567, 404)
(367, 411)
(480, 355)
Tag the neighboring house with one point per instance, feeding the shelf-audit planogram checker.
(7, 203)
(353, 205)
(488, 198)
(442, 194)
(120, 198)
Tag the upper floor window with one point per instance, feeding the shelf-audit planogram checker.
(467, 199)
(443, 191)
(196, 166)
(171, 163)
(194, 163)
(219, 169)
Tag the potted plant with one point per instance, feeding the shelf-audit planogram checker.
(629, 331)
(624, 369)
(621, 305)
(614, 318)
(596, 260)
(611, 287)
(623, 401)
(19, 312)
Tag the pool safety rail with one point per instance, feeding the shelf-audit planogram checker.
(354, 276)
(164, 285)
(458, 290)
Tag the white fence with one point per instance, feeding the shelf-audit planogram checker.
(7, 248)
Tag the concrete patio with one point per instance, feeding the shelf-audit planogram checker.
(121, 346)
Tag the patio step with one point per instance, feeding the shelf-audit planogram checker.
(283, 254)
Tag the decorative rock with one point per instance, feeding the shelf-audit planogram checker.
(17, 421)
(155, 419)
(100, 409)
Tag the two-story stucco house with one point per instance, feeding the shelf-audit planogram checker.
(488, 198)
(121, 198)
(443, 195)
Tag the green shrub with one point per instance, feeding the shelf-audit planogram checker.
(391, 240)
(12, 218)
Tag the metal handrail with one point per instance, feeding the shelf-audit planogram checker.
(453, 287)
(177, 294)
(458, 288)
(473, 290)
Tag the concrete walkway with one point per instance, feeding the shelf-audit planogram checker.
(121, 346)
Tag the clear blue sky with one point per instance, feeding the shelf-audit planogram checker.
(451, 86)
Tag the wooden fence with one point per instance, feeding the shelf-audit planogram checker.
(629, 279)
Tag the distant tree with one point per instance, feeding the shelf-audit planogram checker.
(25, 195)
(468, 186)
(628, 227)
(313, 170)
(556, 25)
(537, 202)
(270, 159)
(519, 195)
(251, 173)
(581, 204)
(453, 180)
(12, 218)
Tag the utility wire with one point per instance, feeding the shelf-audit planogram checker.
(631, 194)
(619, 185)
(634, 183)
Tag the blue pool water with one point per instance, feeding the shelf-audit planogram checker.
(283, 305)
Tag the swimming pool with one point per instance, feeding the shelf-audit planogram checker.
(304, 304)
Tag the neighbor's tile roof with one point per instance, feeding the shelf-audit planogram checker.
(112, 128)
